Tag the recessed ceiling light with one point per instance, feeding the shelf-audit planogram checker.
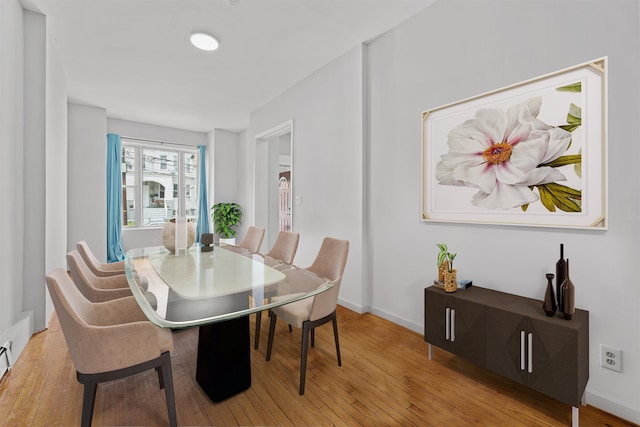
(204, 41)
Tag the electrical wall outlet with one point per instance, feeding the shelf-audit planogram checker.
(611, 358)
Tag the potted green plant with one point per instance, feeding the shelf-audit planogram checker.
(447, 275)
(226, 219)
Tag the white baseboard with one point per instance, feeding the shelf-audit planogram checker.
(351, 306)
(18, 335)
(381, 313)
(612, 407)
(419, 328)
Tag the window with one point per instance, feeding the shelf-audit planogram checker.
(190, 163)
(157, 185)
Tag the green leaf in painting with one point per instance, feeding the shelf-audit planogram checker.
(570, 159)
(546, 198)
(575, 87)
(575, 115)
(554, 195)
(564, 190)
(575, 111)
(569, 128)
(577, 167)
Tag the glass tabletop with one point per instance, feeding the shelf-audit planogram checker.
(198, 288)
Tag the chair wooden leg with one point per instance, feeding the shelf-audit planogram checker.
(313, 337)
(304, 352)
(162, 364)
(168, 388)
(290, 328)
(256, 339)
(272, 330)
(88, 402)
(160, 376)
(335, 335)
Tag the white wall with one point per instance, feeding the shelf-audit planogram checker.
(457, 49)
(224, 148)
(55, 165)
(327, 114)
(11, 137)
(33, 171)
(152, 132)
(246, 153)
(87, 177)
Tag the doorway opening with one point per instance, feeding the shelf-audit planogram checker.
(273, 187)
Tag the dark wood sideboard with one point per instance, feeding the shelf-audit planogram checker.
(511, 336)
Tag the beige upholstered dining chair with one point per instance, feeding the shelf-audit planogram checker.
(279, 257)
(100, 269)
(309, 313)
(283, 250)
(251, 242)
(109, 340)
(95, 288)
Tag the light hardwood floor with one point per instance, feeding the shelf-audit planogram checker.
(386, 379)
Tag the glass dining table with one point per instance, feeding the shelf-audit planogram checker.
(215, 291)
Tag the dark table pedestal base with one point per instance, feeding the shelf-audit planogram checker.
(224, 358)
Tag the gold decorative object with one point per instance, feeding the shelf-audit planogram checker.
(451, 280)
(442, 268)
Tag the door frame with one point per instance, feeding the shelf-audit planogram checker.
(262, 137)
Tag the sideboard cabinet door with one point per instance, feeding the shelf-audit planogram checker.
(506, 351)
(540, 352)
(455, 324)
(560, 354)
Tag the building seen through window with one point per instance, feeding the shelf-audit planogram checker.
(158, 183)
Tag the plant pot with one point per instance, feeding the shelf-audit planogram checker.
(169, 235)
(442, 268)
(451, 280)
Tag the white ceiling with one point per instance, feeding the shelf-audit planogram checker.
(134, 58)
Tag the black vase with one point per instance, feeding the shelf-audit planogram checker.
(561, 269)
(549, 305)
(568, 296)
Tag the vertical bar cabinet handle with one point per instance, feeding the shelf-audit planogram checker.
(453, 325)
(530, 353)
(447, 326)
(522, 351)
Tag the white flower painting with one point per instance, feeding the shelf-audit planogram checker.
(531, 154)
(505, 155)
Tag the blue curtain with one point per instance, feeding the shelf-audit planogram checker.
(114, 199)
(203, 205)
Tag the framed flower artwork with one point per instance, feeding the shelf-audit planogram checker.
(531, 154)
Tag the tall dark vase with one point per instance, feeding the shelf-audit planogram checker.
(561, 268)
(568, 296)
(549, 305)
